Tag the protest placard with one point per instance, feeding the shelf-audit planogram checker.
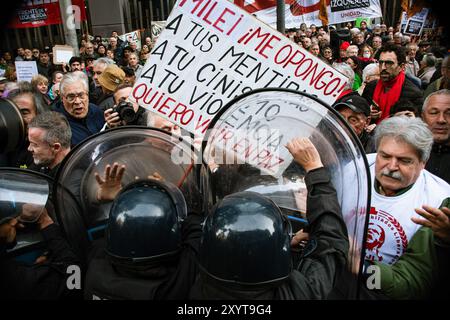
(134, 36)
(62, 54)
(26, 70)
(157, 28)
(212, 51)
(415, 24)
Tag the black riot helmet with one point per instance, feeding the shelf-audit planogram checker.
(144, 223)
(246, 241)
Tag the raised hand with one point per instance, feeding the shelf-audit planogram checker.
(111, 184)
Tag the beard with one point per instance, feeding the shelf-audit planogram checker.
(42, 162)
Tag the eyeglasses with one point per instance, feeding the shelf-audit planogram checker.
(72, 96)
(388, 63)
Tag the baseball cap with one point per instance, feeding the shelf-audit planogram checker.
(111, 77)
(355, 102)
(344, 45)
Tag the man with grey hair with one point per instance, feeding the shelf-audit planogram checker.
(400, 185)
(427, 69)
(95, 90)
(443, 82)
(436, 114)
(49, 135)
(85, 118)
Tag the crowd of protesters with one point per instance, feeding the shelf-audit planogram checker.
(390, 74)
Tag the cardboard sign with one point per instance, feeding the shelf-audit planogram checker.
(62, 54)
(415, 24)
(211, 52)
(26, 70)
(134, 36)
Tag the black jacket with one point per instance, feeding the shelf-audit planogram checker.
(324, 258)
(44, 281)
(439, 162)
(170, 281)
(409, 93)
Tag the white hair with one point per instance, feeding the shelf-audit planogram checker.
(347, 71)
(370, 70)
(104, 61)
(444, 92)
(412, 131)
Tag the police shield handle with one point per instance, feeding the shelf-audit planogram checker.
(305, 153)
(111, 184)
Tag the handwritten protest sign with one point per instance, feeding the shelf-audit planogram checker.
(256, 129)
(62, 54)
(212, 51)
(26, 70)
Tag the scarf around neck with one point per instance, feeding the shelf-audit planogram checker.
(387, 99)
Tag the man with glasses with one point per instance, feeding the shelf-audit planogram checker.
(392, 85)
(85, 119)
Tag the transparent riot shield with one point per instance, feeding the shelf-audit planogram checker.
(244, 149)
(144, 152)
(24, 195)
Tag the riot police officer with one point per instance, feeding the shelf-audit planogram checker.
(150, 246)
(47, 277)
(245, 246)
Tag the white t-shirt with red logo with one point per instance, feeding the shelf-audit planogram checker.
(390, 226)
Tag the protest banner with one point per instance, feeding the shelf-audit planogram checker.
(37, 13)
(157, 27)
(26, 70)
(358, 21)
(212, 51)
(134, 36)
(62, 54)
(415, 24)
(307, 11)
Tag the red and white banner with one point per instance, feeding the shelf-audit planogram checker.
(307, 11)
(38, 13)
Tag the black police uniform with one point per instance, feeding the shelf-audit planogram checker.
(324, 258)
(44, 281)
(162, 279)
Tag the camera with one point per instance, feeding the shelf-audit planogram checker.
(125, 111)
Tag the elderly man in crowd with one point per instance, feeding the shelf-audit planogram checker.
(85, 118)
(399, 248)
(436, 114)
(99, 66)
